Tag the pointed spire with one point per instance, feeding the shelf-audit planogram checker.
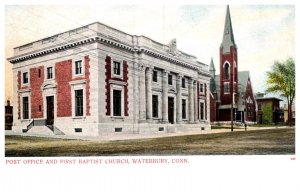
(212, 72)
(212, 69)
(228, 38)
(212, 65)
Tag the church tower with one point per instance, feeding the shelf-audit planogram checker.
(228, 64)
(212, 72)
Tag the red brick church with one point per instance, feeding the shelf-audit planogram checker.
(231, 90)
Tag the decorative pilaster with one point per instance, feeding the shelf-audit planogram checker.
(191, 102)
(149, 93)
(165, 97)
(195, 102)
(207, 102)
(142, 93)
(178, 99)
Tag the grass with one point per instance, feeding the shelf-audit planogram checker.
(267, 125)
(258, 142)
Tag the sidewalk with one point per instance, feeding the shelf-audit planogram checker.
(122, 136)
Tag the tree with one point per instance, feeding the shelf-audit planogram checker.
(282, 80)
(267, 113)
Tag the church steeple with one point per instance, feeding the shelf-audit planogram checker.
(228, 38)
(212, 70)
(228, 63)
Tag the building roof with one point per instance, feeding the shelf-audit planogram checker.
(215, 86)
(103, 33)
(228, 38)
(268, 98)
(243, 79)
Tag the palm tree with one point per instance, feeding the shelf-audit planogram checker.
(282, 80)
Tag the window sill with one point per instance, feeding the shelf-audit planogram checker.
(117, 117)
(117, 76)
(78, 75)
(78, 117)
(49, 80)
(25, 120)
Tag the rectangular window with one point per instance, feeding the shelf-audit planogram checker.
(154, 105)
(183, 83)
(154, 76)
(78, 67)
(170, 79)
(117, 68)
(25, 108)
(202, 111)
(49, 73)
(25, 77)
(183, 109)
(117, 106)
(226, 87)
(259, 107)
(39, 72)
(79, 102)
(201, 88)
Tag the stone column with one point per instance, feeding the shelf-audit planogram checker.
(191, 102)
(207, 102)
(178, 98)
(165, 117)
(142, 94)
(195, 101)
(149, 93)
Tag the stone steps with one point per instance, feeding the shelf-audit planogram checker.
(44, 130)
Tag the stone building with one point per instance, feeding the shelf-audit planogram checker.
(230, 91)
(97, 80)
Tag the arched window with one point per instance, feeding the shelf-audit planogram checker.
(226, 71)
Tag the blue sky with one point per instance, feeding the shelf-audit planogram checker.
(263, 33)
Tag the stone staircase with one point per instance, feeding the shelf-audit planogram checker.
(39, 126)
(55, 130)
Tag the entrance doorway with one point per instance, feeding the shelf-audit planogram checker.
(171, 109)
(50, 110)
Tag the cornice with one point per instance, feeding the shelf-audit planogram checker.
(59, 48)
(103, 40)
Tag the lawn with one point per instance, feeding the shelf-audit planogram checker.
(258, 142)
